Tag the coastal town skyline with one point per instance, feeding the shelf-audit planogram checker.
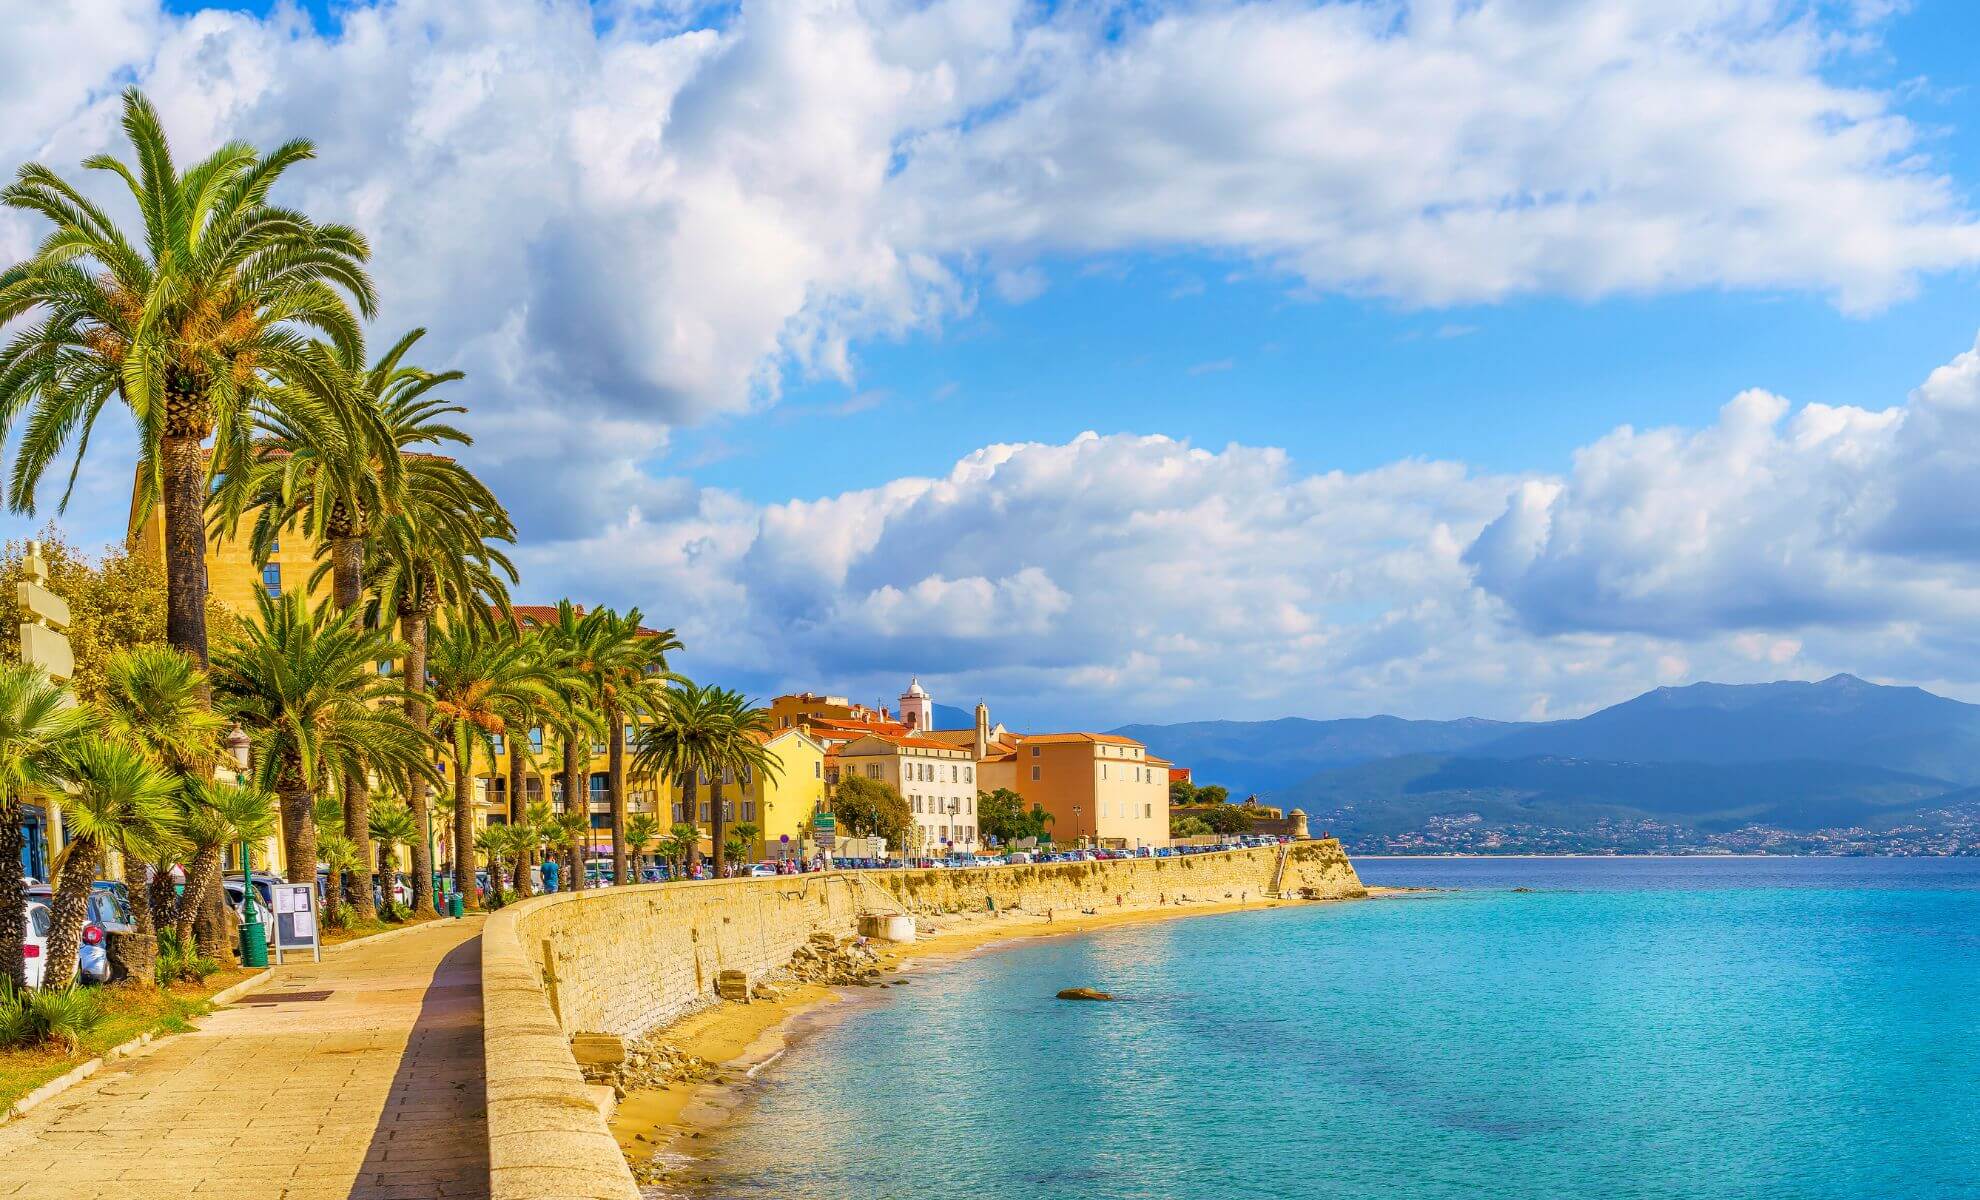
(1450, 446)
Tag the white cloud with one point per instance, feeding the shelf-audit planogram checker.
(621, 225)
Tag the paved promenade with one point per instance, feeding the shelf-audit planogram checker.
(373, 1092)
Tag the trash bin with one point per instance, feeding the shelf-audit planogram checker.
(254, 944)
(454, 906)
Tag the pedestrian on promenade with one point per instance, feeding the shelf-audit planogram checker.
(549, 874)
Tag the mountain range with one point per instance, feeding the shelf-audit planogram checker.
(1706, 758)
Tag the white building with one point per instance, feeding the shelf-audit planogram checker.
(936, 779)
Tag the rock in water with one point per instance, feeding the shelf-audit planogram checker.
(1084, 993)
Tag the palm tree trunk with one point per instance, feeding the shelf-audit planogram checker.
(137, 952)
(519, 799)
(298, 824)
(166, 905)
(692, 817)
(577, 800)
(615, 790)
(201, 875)
(413, 624)
(347, 588)
(464, 821)
(185, 544)
(716, 825)
(71, 910)
(13, 889)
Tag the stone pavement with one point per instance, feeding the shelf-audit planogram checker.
(373, 1092)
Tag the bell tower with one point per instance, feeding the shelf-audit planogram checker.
(917, 708)
(982, 731)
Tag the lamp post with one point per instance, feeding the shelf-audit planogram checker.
(1079, 831)
(254, 939)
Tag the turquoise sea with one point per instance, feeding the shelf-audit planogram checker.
(1790, 1029)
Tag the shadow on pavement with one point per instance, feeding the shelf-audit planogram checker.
(432, 1137)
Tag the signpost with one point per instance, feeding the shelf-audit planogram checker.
(295, 919)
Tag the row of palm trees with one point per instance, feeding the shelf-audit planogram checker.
(231, 329)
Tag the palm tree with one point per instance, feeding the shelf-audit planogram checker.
(435, 555)
(186, 327)
(679, 846)
(213, 816)
(38, 721)
(492, 843)
(622, 667)
(118, 801)
(362, 491)
(571, 831)
(701, 733)
(641, 829)
(392, 826)
(478, 678)
(155, 701)
(305, 687)
(564, 651)
(744, 835)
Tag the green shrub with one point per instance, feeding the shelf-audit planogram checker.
(65, 1015)
(176, 962)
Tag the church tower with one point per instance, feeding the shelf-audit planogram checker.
(982, 731)
(917, 709)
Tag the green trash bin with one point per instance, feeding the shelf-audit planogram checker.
(454, 906)
(254, 944)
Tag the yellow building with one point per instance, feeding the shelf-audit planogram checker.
(780, 807)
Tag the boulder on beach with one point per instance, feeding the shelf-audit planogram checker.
(1084, 993)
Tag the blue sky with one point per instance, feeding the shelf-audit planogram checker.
(1419, 339)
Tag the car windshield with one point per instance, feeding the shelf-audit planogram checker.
(109, 908)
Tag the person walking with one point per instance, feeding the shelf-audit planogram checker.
(550, 873)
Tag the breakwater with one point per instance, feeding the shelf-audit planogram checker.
(628, 960)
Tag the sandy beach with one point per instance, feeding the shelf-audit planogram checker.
(658, 1128)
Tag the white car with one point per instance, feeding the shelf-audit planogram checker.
(763, 871)
(35, 946)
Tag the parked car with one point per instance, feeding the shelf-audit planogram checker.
(93, 957)
(763, 870)
(34, 942)
(264, 897)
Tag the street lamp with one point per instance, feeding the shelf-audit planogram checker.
(1079, 831)
(254, 940)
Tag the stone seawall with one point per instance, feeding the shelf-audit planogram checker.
(627, 960)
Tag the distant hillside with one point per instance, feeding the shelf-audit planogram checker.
(1259, 756)
(948, 716)
(1841, 719)
(1400, 794)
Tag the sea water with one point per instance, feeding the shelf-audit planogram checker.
(1698, 1028)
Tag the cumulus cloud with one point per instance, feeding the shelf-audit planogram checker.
(1841, 529)
(620, 219)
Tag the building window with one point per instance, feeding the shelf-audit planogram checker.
(1147, 810)
(967, 776)
(536, 739)
(598, 789)
(501, 745)
(817, 770)
(873, 770)
(271, 579)
(1034, 774)
(704, 812)
(1034, 752)
(384, 666)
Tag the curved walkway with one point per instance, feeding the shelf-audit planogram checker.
(372, 1092)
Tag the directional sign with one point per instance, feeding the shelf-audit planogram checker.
(824, 821)
(38, 602)
(43, 647)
